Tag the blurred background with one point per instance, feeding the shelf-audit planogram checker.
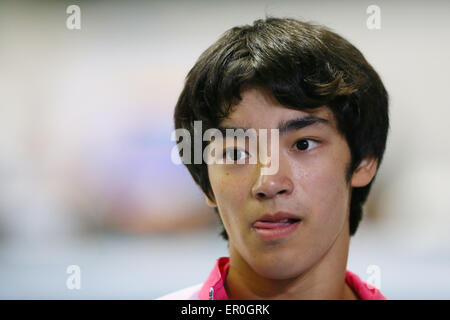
(85, 121)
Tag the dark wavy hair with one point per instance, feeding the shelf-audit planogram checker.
(305, 66)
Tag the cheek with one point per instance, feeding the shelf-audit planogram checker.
(230, 189)
(223, 183)
(322, 186)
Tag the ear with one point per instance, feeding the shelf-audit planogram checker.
(364, 173)
(210, 202)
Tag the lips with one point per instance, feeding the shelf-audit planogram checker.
(276, 226)
(273, 224)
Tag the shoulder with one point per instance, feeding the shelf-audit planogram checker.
(189, 293)
(364, 290)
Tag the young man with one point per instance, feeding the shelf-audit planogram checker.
(288, 231)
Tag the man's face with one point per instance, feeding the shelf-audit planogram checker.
(310, 185)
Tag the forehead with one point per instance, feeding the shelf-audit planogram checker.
(259, 109)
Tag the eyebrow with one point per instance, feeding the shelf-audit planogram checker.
(287, 126)
(300, 123)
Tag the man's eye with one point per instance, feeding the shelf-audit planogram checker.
(304, 144)
(234, 154)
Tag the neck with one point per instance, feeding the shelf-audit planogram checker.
(324, 280)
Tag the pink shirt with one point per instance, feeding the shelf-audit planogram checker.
(213, 288)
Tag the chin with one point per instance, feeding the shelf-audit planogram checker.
(277, 273)
(279, 269)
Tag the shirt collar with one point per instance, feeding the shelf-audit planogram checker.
(214, 286)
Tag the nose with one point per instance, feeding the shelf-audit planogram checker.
(270, 186)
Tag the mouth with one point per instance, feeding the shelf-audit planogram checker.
(276, 226)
